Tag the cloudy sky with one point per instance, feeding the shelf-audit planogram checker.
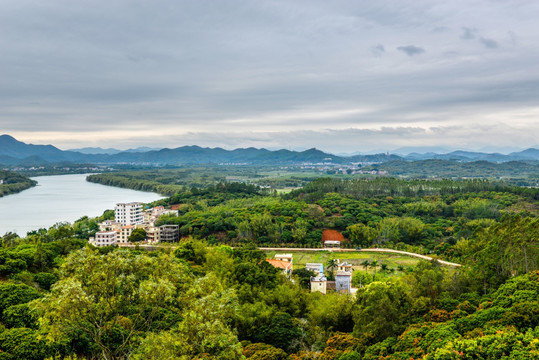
(342, 76)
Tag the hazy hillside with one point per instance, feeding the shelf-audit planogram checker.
(14, 152)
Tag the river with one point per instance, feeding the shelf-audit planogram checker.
(61, 198)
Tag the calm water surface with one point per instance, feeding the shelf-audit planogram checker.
(61, 198)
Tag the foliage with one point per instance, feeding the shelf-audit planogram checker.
(137, 235)
(213, 295)
(109, 288)
(12, 183)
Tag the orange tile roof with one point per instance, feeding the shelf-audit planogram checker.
(280, 264)
(332, 235)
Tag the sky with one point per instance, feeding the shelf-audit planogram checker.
(341, 76)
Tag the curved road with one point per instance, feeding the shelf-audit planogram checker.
(425, 257)
(380, 250)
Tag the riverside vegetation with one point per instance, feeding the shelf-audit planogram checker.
(214, 297)
(12, 182)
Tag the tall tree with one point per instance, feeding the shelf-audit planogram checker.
(111, 297)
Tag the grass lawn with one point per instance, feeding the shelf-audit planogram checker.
(303, 257)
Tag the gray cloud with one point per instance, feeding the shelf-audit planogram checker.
(489, 43)
(123, 73)
(378, 50)
(411, 50)
(468, 33)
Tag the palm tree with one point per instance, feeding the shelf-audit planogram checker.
(332, 264)
(400, 268)
(373, 265)
(383, 267)
(365, 264)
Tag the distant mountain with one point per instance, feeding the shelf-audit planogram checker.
(111, 151)
(408, 150)
(452, 169)
(374, 158)
(14, 152)
(465, 156)
(96, 150)
(528, 154)
(143, 149)
(9, 146)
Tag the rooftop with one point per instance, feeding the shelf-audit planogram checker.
(280, 264)
(332, 235)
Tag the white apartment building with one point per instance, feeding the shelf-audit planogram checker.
(129, 213)
(105, 238)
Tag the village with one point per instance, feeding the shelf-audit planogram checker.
(128, 217)
(319, 282)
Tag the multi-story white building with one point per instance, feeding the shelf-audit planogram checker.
(105, 238)
(129, 213)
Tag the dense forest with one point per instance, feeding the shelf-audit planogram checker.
(522, 170)
(212, 296)
(12, 182)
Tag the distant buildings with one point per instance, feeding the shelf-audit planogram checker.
(169, 233)
(343, 278)
(284, 262)
(332, 239)
(151, 215)
(129, 213)
(124, 232)
(105, 238)
(317, 268)
(130, 216)
(342, 283)
(319, 283)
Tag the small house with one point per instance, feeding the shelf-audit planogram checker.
(317, 268)
(285, 266)
(319, 283)
(332, 239)
(283, 257)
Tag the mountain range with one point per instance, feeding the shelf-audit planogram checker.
(17, 153)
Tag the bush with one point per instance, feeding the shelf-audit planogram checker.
(19, 316)
(14, 294)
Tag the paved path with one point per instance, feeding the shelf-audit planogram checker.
(425, 257)
(379, 250)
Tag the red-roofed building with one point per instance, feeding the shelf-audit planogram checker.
(332, 238)
(285, 266)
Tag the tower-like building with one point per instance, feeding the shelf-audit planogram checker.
(343, 278)
(129, 213)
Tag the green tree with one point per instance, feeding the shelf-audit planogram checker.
(383, 310)
(281, 332)
(374, 265)
(366, 264)
(23, 343)
(15, 294)
(117, 295)
(261, 351)
(204, 331)
(19, 316)
(361, 234)
(138, 234)
(192, 250)
(331, 264)
(303, 276)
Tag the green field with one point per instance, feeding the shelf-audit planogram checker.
(303, 257)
